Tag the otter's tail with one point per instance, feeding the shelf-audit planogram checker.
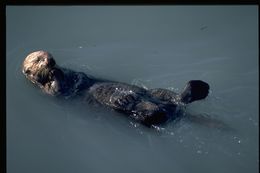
(194, 90)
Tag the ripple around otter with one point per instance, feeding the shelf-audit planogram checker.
(45, 134)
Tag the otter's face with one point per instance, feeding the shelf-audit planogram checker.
(37, 67)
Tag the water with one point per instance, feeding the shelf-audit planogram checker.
(150, 46)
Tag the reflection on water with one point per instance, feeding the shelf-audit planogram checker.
(150, 47)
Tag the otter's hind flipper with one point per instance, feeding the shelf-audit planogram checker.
(194, 90)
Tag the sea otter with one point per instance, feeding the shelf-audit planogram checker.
(147, 106)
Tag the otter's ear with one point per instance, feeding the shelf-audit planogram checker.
(194, 90)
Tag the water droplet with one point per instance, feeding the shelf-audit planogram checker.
(199, 151)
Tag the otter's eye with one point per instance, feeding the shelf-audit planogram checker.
(39, 59)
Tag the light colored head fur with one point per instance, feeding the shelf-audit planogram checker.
(38, 67)
(36, 61)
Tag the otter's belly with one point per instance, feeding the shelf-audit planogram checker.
(134, 101)
(119, 96)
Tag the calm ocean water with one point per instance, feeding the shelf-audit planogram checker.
(149, 46)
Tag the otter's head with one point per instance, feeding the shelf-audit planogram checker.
(40, 68)
(37, 65)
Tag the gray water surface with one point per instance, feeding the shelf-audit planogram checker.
(149, 46)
